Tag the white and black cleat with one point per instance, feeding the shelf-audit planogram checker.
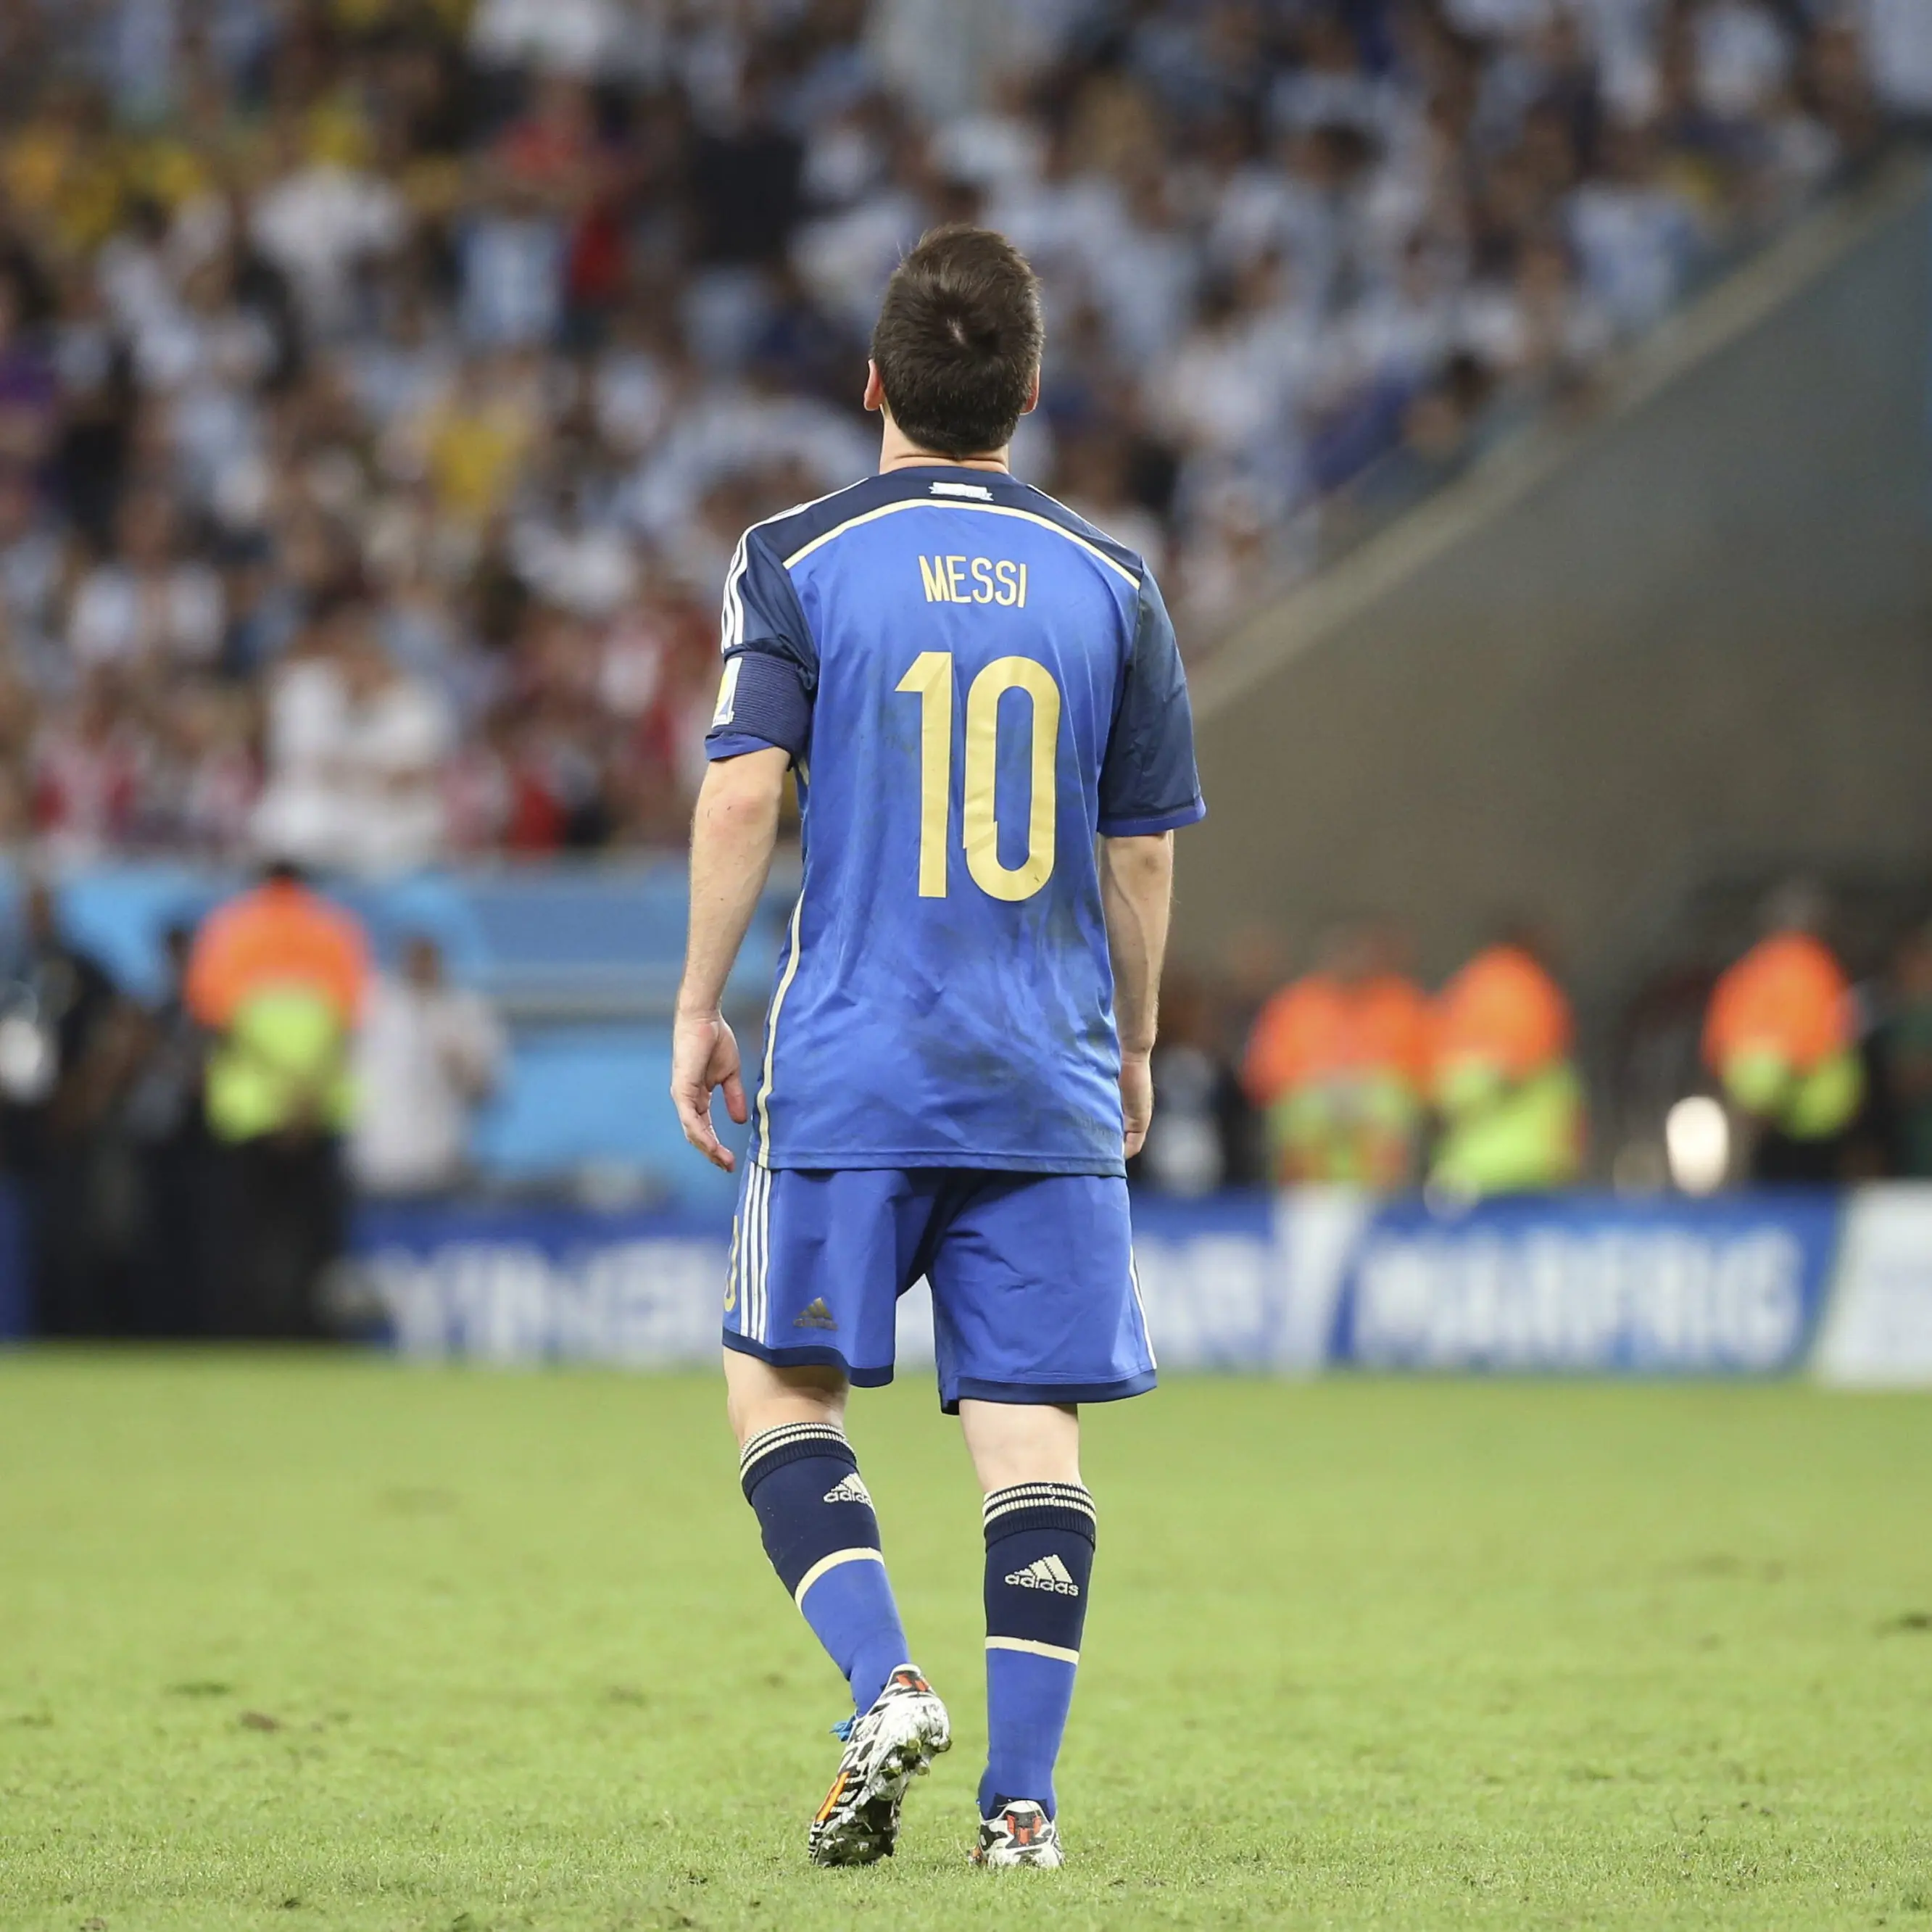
(886, 1749)
(1019, 1834)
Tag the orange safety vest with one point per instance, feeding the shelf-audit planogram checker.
(1503, 1009)
(1787, 996)
(1322, 1027)
(279, 937)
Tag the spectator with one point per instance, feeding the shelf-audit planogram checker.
(319, 223)
(1200, 1140)
(278, 978)
(146, 605)
(166, 1120)
(32, 566)
(1339, 1062)
(1905, 1057)
(29, 392)
(1503, 1078)
(356, 750)
(88, 760)
(68, 1043)
(513, 256)
(1782, 1036)
(428, 1054)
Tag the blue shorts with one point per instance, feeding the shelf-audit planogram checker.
(1033, 1294)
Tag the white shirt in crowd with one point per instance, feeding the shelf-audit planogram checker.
(425, 1058)
(317, 223)
(355, 777)
(120, 614)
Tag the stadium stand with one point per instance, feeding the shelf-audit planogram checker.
(383, 381)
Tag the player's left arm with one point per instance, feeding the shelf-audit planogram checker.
(1136, 891)
(1148, 787)
(733, 833)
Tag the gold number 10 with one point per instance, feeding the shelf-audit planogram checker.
(930, 677)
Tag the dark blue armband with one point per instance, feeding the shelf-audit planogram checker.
(762, 701)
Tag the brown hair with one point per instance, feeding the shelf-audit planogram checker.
(958, 341)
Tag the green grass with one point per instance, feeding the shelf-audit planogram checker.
(335, 1643)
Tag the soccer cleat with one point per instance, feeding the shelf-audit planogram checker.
(1018, 1834)
(886, 1749)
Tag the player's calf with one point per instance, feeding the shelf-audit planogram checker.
(802, 1481)
(1039, 1563)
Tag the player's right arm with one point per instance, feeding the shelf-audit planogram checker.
(763, 724)
(733, 833)
(1136, 890)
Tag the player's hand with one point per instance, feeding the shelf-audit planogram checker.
(1136, 1099)
(704, 1054)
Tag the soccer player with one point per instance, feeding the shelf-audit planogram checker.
(981, 698)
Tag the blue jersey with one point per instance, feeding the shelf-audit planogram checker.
(973, 683)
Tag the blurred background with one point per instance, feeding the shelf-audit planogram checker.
(1524, 402)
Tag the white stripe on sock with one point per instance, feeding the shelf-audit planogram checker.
(784, 1433)
(1003, 1502)
(1032, 1649)
(832, 1562)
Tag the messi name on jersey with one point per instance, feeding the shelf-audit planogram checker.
(975, 580)
(979, 684)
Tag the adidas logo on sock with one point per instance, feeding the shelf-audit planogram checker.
(818, 1316)
(1049, 1573)
(851, 1490)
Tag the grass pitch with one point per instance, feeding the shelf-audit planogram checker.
(335, 1643)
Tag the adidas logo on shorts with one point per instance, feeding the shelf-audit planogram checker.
(1049, 1573)
(851, 1490)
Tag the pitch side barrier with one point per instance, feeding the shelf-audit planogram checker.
(1757, 1284)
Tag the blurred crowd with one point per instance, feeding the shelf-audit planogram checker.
(382, 382)
(1790, 1072)
(186, 1166)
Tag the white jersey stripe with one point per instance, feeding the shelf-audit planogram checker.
(731, 626)
(1140, 1308)
(748, 1266)
(771, 1034)
(748, 1271)
(731, 619)
(765, 1253)
(760, 1178)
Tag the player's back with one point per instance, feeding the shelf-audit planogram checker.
(991, 683)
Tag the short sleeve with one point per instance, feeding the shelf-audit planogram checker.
(771, 662)
(1148, 779)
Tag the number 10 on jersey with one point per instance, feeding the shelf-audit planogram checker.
(930, 678)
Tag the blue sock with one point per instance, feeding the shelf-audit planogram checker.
(1039, 1560)
(802, 1482)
